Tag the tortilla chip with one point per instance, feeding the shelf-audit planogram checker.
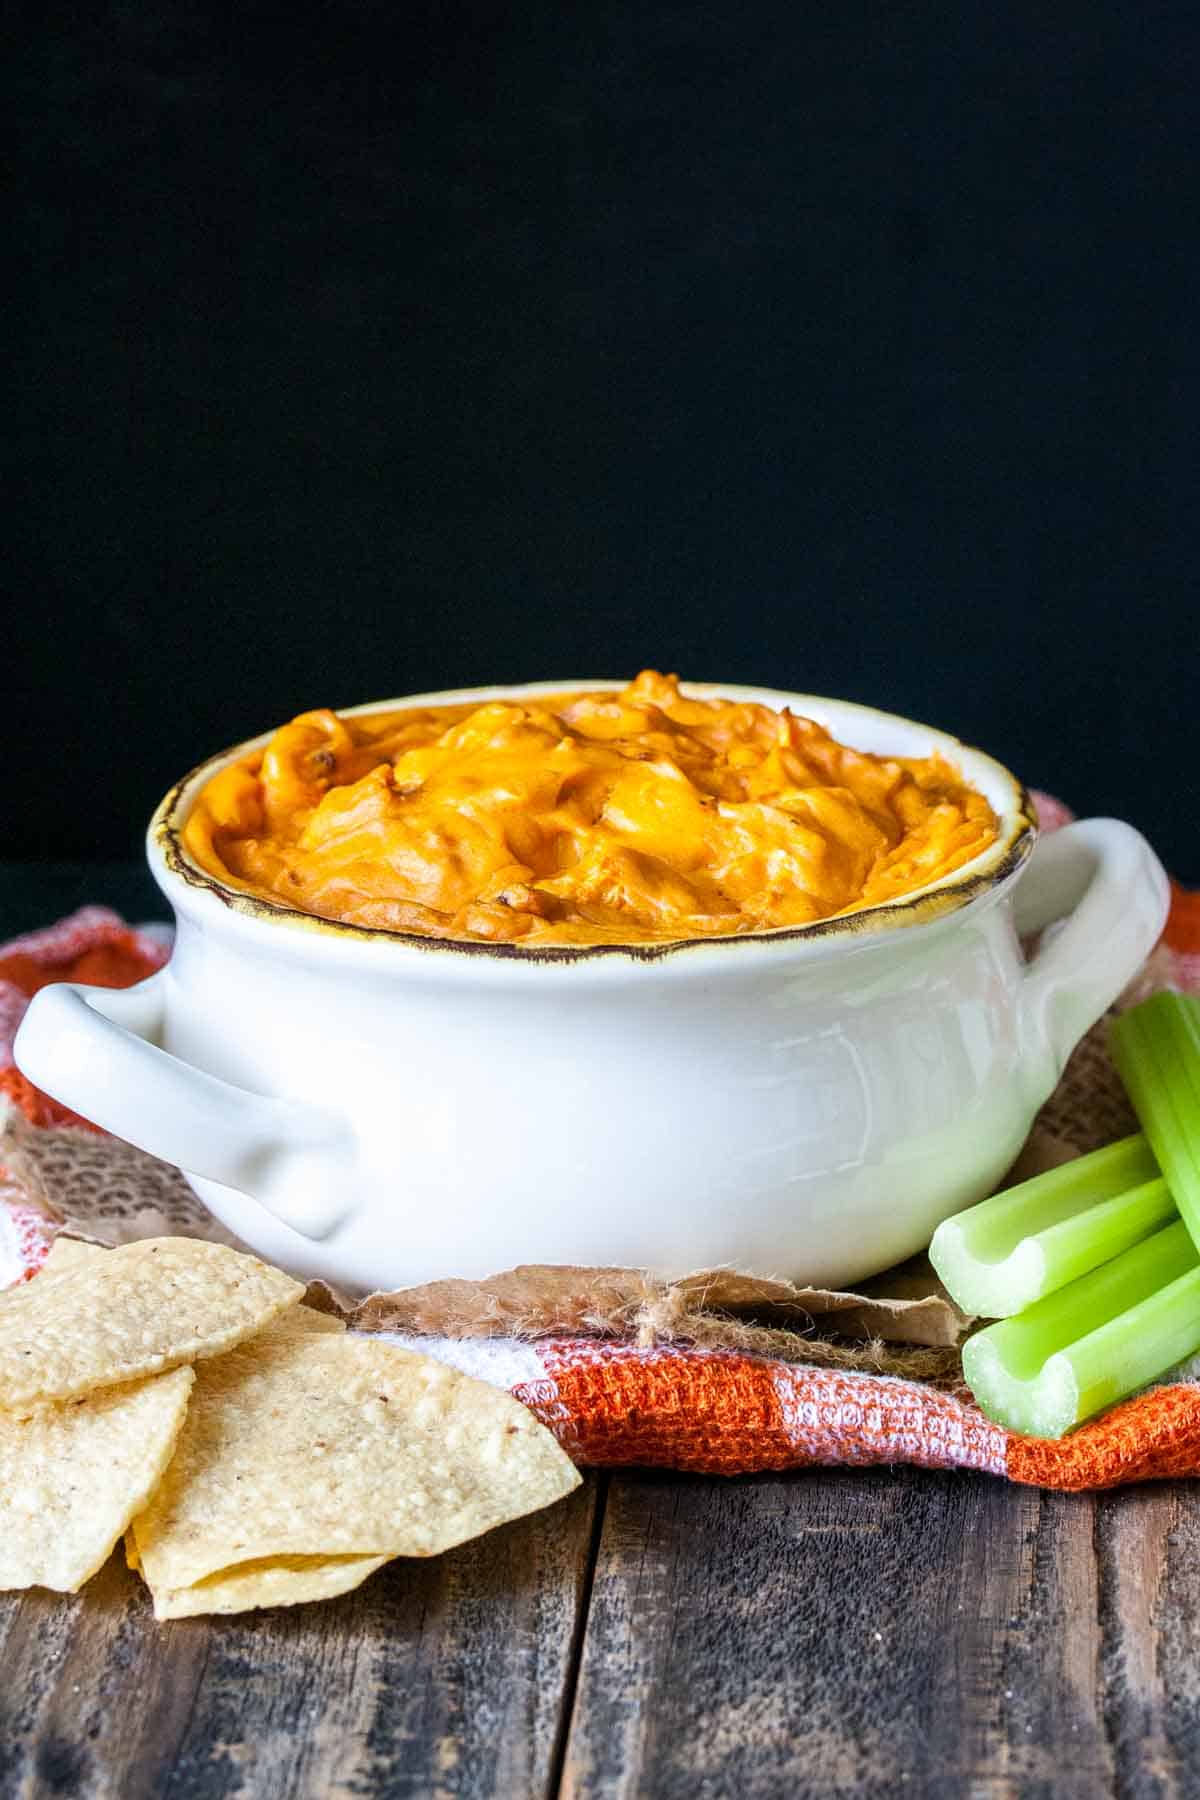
(278, 1581)
(132, 1312)
(306, 1321)
(73, 1476)
(68, 1253)
(306, 1445)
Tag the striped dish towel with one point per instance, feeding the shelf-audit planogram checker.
(707, 1411)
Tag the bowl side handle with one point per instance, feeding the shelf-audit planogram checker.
(93, 1049)
(1105, 894)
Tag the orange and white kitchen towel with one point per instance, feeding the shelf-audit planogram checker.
(707, 1411)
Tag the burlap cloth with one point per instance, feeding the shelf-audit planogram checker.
(717, 1370)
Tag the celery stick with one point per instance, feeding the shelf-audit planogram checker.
(1009, 1251)
(1093, 1342)
(1156, 1047)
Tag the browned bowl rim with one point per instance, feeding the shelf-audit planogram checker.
(990, 870)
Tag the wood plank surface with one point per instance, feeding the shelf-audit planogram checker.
(440, 1678)
(829, 1633)
(888, 1632)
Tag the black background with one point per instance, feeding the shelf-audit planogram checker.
(362, 349)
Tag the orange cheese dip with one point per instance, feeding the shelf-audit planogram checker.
(581, 818)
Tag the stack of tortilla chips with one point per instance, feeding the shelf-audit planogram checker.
(252, 1451)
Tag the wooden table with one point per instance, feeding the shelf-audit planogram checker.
(830, 1633)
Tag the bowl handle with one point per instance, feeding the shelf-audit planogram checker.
(1101, 887)
(91, 1048)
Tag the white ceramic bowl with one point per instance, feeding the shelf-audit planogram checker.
(384, 1109)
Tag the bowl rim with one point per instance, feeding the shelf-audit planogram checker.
(985, 873)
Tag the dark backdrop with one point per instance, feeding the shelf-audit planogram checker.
(366, 348)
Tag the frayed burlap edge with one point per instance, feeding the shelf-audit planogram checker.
(659, 1315)
(667, 1318)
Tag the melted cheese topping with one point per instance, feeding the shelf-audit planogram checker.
(581, 818)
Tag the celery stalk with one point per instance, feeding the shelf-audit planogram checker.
(1012, 1250)
(1156, 1047)
(1093, 1342)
